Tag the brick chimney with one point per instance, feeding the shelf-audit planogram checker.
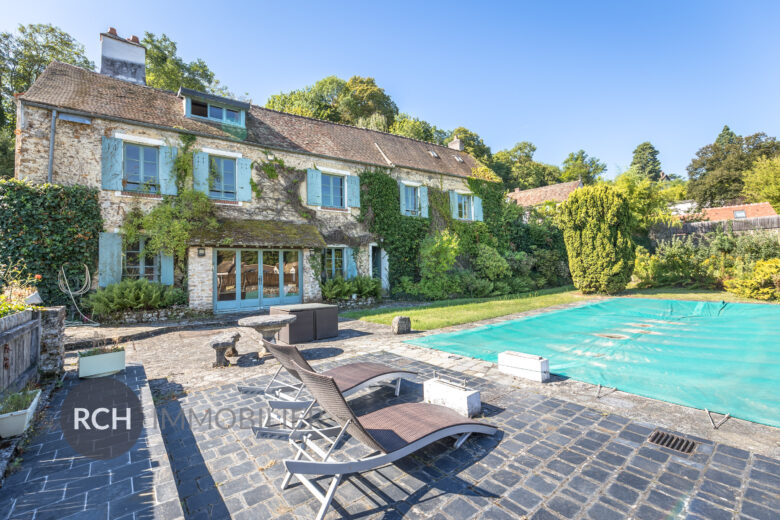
(456, 144)
(122, 58)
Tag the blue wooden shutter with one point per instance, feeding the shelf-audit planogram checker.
(109, 258)
(403, 197)
(200, 171)
(350, 268)
(353, 191)
(313, 187)
(167, 175)
(243, 175)
(454, 204)
(111, 164)
(478, 209)
(424, 201)
(166, 269)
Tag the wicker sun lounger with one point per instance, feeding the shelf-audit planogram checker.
(391, 433)
(350, 379)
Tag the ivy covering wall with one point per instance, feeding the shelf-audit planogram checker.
(45, 226)
(500, 255)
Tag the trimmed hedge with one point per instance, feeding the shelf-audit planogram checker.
(596, 224)
(46, 226)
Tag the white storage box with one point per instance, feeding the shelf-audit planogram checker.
(527, 366)
(452, 395)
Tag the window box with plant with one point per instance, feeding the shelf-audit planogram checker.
(101, 361)
(17, 411)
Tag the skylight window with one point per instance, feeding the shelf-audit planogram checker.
(433, 154)
(458, 158)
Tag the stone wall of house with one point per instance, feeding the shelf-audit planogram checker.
(200, 279)
(77, 160)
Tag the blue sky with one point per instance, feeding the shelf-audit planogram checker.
(602, 76)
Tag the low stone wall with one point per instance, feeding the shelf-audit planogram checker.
(355, 304)
(52, 341)
(177, 312)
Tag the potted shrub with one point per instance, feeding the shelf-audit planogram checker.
(101, 361)
(17, 411)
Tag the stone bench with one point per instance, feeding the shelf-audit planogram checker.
(224, 345)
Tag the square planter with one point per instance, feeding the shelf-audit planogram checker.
(15, 423)
(101, 365)
(527, 366)
(463, 400)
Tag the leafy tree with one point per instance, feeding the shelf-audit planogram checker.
(596, 222)
(718, 169)
(762, 182)
(647, 202)
(319, 100)
(23, 56)
(362, 98)
(472, 143)
(645, 161)
(518, 169)
(578, 165)
(165, 69)
(409, 126)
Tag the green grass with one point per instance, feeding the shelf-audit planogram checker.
(455, 312)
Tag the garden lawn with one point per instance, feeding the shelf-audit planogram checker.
(455, 312)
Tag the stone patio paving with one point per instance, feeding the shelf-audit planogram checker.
(560, 452)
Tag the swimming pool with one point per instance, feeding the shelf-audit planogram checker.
(721, 356)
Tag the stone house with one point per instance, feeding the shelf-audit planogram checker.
(110, 131)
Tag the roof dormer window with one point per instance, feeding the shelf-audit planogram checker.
(458, 158)
(433, 154)
(200, 105)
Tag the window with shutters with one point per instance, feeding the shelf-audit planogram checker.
(332, 191)
(140, 168)
(333, 263)
(222, 178)
(138, 265)
(465, 207)
(411, 200)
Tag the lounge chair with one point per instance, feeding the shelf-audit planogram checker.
(391, 433)
(350, 378)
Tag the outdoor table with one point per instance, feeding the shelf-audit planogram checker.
(266, 324)
(315, 321)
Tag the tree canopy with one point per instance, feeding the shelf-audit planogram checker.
(23, 56)
(717, 172)
(579, 166)
(762, 182)
(167, 70)
(518, 169)
(645, 161)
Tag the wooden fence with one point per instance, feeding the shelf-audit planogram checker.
(745, 225)
(20, 344)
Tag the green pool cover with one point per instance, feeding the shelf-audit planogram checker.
(721, 356)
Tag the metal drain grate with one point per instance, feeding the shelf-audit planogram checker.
(673, 442)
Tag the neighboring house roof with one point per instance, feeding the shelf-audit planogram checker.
(259, 233)
(758, 209)
(554, 192)
(69, 87)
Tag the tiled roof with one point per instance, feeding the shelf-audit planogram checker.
(259, 233)
(69, 87)
(554, 192)
(758, 209)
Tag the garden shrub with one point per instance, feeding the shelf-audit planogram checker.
(489, 264)
(438, 253)
(761, 283)
(134, 295)
(8, 307)
(340, 289)
(596, 223)
(47, 226)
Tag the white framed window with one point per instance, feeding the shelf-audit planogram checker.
(334, 193)
(465, 206)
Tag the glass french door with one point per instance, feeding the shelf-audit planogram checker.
(246, 279)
